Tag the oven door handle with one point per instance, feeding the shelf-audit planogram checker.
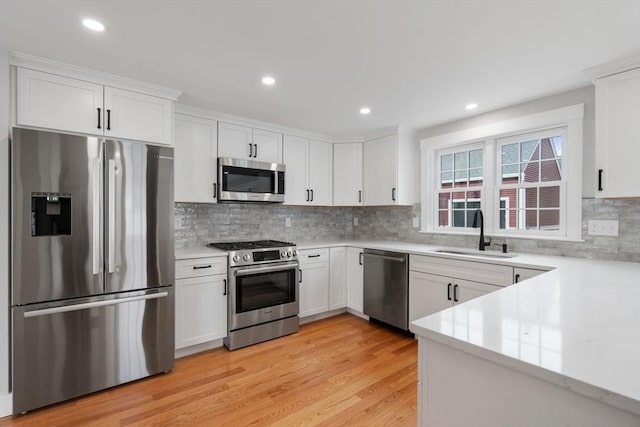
(279, 267)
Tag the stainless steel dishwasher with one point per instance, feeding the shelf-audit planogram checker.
(386, 287)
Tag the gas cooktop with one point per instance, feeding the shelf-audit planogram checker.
(257, 244)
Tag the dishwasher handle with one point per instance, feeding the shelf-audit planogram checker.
(386, 257)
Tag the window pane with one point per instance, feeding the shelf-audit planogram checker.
(529, 172)
(458, 195)
(509, 153)
(446, 178)
(460, 161)
(474, 174)
(475, 158)
(530, 151)
(549, 197)
(550, 220)
(446, 162)
(503, 218)
(458, 205)
(510, 174)
(531, 198)
(443, 218)
(550, 170)
(557, 145)
(458, 218)
(531, 219)
(548, 149)
(443, 200)
(461, 176)
(473, 195)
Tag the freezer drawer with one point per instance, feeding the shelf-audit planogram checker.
(67, 350)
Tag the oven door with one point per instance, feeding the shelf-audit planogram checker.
(262, 294)
(250, 181)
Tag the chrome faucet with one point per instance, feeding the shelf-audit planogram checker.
(482, 243)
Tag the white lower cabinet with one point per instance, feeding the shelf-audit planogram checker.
(520, 274)
(355, 278)
(337, 278)
(314, 284)
(201, 301)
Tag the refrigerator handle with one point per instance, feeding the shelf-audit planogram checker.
(85, 306)
(96, 216)
(111, 216)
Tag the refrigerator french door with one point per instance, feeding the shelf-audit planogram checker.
(92, 264)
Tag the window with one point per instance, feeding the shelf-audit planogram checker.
(530, 180)
(520, 177)
(460, 188)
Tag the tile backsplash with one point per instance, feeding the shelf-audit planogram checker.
(202, 223)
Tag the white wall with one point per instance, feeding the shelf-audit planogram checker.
(4, 232)
(585, 95)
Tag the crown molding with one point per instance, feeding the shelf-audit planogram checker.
(24, 60)
(614, 67)
(381, 133)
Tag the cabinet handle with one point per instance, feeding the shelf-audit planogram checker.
(360, 258)
(359, 196)
(455, 293)
(517, 278)
(250, 150)
(215, 190)
(200, 267)
(99, 118)
(600, 179)
(314, 256)
(300, 280)
(108, 119)
(225, 286)
(393, 194)
(311, 196)
(307, 195)
(255, 151)
(449, 291)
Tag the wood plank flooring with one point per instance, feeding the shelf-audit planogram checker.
(334, 372)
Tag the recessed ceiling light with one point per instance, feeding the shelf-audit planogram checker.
(269, 81)
(92, 24)
(365, 110)
(471, 106)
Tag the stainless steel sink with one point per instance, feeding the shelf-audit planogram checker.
(475, 253)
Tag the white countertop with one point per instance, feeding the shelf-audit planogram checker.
(577, 326)
(198, 252)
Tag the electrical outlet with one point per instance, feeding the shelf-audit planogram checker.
(287, 222)
(355, 220)
(603, 227)
(416, 222)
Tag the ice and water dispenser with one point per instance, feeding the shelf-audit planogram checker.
(50, 214)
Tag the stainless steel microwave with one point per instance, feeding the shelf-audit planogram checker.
(250, 181)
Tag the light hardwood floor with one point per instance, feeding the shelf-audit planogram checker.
(337, 371)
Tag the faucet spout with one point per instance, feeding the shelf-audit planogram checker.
(478, 221)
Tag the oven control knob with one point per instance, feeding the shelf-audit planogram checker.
(283, 254)
(246, 257)
(295, 253)
(236, 258)
(289, 253)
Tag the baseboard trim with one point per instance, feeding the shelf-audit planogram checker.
(6, 405)
(188, 351)
(358, 313)
(321, 316)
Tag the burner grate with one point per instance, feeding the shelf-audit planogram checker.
(258, 244)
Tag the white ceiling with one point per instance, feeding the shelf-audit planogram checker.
(415, 63)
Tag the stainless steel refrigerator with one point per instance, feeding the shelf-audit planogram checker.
(92, 264)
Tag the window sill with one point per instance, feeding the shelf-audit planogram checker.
(504, 236)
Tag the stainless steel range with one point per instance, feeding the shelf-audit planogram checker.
(263, 291)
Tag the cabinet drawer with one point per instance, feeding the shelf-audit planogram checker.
(197, 267)
(313, 255)
(500, 275)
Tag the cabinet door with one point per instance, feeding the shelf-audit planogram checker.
(235, 141)
(296, 155)
(195, 155)
(338, 278)
(618, 134)
(201, 310)
(520, 274)
(355, 280)
(465, 290)
(314, 288)
(267, 146)
(428, 294)
(320, 173)
(380, 171)
(132, 115)
(347, 174)
(55, 102)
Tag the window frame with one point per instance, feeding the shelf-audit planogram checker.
(489, 136)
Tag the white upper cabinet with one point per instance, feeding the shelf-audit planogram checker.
(347, 174)
(132, 115)
(61, 103)
(308, 175)
(242, 142)
(618, 134)
(389, 170)
(55, 102)
(195, 159)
